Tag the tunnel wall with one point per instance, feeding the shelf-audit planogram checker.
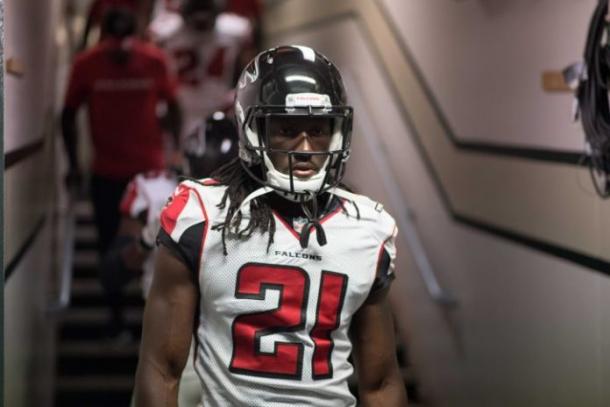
(452, 124)
(33, 49)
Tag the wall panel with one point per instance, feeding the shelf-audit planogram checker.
(531, 328)
(30, 119)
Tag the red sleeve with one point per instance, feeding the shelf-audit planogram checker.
(78, 89)
(246, 8)
(183, 226)
(184, 209)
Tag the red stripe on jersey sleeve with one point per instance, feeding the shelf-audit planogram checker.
(128, 198)
(169, 216)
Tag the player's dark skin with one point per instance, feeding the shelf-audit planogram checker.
(305, 134)
(170, 308)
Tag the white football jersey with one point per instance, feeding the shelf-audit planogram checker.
(204, 63)
(144, 198)
(273, 324)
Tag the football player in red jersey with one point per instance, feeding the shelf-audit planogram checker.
(279, 271)
(121, 80)
(98, 10)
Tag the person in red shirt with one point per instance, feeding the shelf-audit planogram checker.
(252, 9)
(122, 81)
(100, 7)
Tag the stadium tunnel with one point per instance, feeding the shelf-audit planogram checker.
(463, 130)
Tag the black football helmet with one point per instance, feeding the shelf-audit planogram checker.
(292, 81)
(118, 22)
(211, 145)
(199, 14)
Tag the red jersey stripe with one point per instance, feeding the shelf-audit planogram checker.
(169, 216)
(128, 198)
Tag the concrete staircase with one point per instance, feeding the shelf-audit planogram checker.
(92, 371)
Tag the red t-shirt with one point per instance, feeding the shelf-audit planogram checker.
(245, 8)
(122, 102)
(99, 7)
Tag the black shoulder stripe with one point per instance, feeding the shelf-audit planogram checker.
(383, 276)
(383, 268)
(190, 242)
(188, 248)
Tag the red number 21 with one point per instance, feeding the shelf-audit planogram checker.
(286, 360)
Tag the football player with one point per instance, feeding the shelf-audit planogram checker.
(204, 49)
(283, 273)
(98, 10)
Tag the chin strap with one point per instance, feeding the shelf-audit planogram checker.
(313, 216)
(313, 222)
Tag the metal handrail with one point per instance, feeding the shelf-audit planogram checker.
(67, 260)
(404, 218)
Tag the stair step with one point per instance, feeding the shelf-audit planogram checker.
(91, 399)
(93, 331)
(92, 286)
(93, 365)
(85, 232)
(88, 301)
(85, 272)
(84, 245)
(85, 258)
(96, 383)
(84, 220)
(86, 316)
(94, 391)
(84, 208)
(91, 348)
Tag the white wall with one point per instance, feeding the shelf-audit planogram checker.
(483, 60)
(32, 39)
(532, 329)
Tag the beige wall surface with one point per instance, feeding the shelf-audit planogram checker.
(483, 61)
(32, 42)
(30, 37)
(29, 336)
(531, 329)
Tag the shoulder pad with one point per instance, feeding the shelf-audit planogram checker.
(165, 26)
(365, 201)
(381, 222)
(233, 25)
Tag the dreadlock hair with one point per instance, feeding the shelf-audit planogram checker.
(239, 186)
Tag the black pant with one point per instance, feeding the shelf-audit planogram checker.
(106, 196)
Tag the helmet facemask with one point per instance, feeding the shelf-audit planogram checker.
(259, 149)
